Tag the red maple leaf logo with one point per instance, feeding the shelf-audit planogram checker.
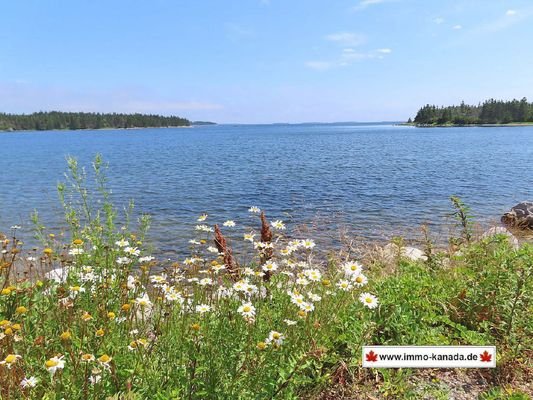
(371, 357)
(486, 357)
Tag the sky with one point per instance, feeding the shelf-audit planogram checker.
(263, 61)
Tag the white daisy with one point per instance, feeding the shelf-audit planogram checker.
(368, 300)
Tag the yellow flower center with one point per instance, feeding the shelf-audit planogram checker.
(368, 300)
(247, 309)
(104, 358)
(77, 242)
(359, 279)
(21, 310)
(11, 358)
(51, 363)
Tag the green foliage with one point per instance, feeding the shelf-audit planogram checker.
(40, 121)
(490, 112)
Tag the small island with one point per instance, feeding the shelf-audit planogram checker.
(54, 120)
(491, 112)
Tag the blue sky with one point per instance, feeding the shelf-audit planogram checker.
(255, 61)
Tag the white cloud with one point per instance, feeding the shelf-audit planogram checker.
(346, 38)
(510, 13)
(438, 20)
(384, 51)
(348, 57)
(366, 3)
(457, 27)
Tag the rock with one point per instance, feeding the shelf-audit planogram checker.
(390, 252)
(500, 230)
(59, 275)
(520, 216)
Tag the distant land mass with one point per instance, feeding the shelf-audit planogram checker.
(491, 112)
(201, 123)
(41, 121)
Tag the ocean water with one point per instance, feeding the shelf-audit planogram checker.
(369, 180)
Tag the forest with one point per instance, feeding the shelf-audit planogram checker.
(489, 112)
(41, 121)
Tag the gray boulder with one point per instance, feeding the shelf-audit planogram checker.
(500, 230)
(520, 216)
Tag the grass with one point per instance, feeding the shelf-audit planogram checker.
(287, 324)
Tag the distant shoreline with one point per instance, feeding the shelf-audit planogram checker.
(95, 129)
(465, 125)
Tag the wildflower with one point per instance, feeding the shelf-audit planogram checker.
(275, 338)
(111, 315)
(212, 249)
(132, 251)
(77, 242)
(217, 268)
(76, 252)
(87, 358)
(202, 218)
(290, 322)
(123, 260)
(247, 310)
(125, 307)
(270, 266)
(195, 327)
(75, 290)
(359, 280)
(307, 307)
(143, 301)
(104, 361)
(30, 382)
(308, 243)
(86, 316)
(15, 227)
(254, 209)
(100, 332)
(94, 379)
(54, 363)
(122, 243)
(65, 336)
(205, 282)
(21, 310)
(6, 291)
(204, 228)
(352, 268)
(203, 308)
(10, 360)
(368, 300)
(279, 225)
(344, 285)
(249, 237)
(48, 251)
(314, 297)
(302, 281)
(313, 274)
(261, 345)
(146, 259)
(229, 223)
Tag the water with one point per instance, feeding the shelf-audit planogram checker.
(373, 180)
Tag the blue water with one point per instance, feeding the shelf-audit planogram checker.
(372, 180)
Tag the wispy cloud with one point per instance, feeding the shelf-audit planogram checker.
(346, 38)
(438, 20)
(457, 27)
(366, 3)
(510, 18)
(347, 57)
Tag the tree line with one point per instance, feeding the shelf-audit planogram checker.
(490, 112)
(82, 120)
